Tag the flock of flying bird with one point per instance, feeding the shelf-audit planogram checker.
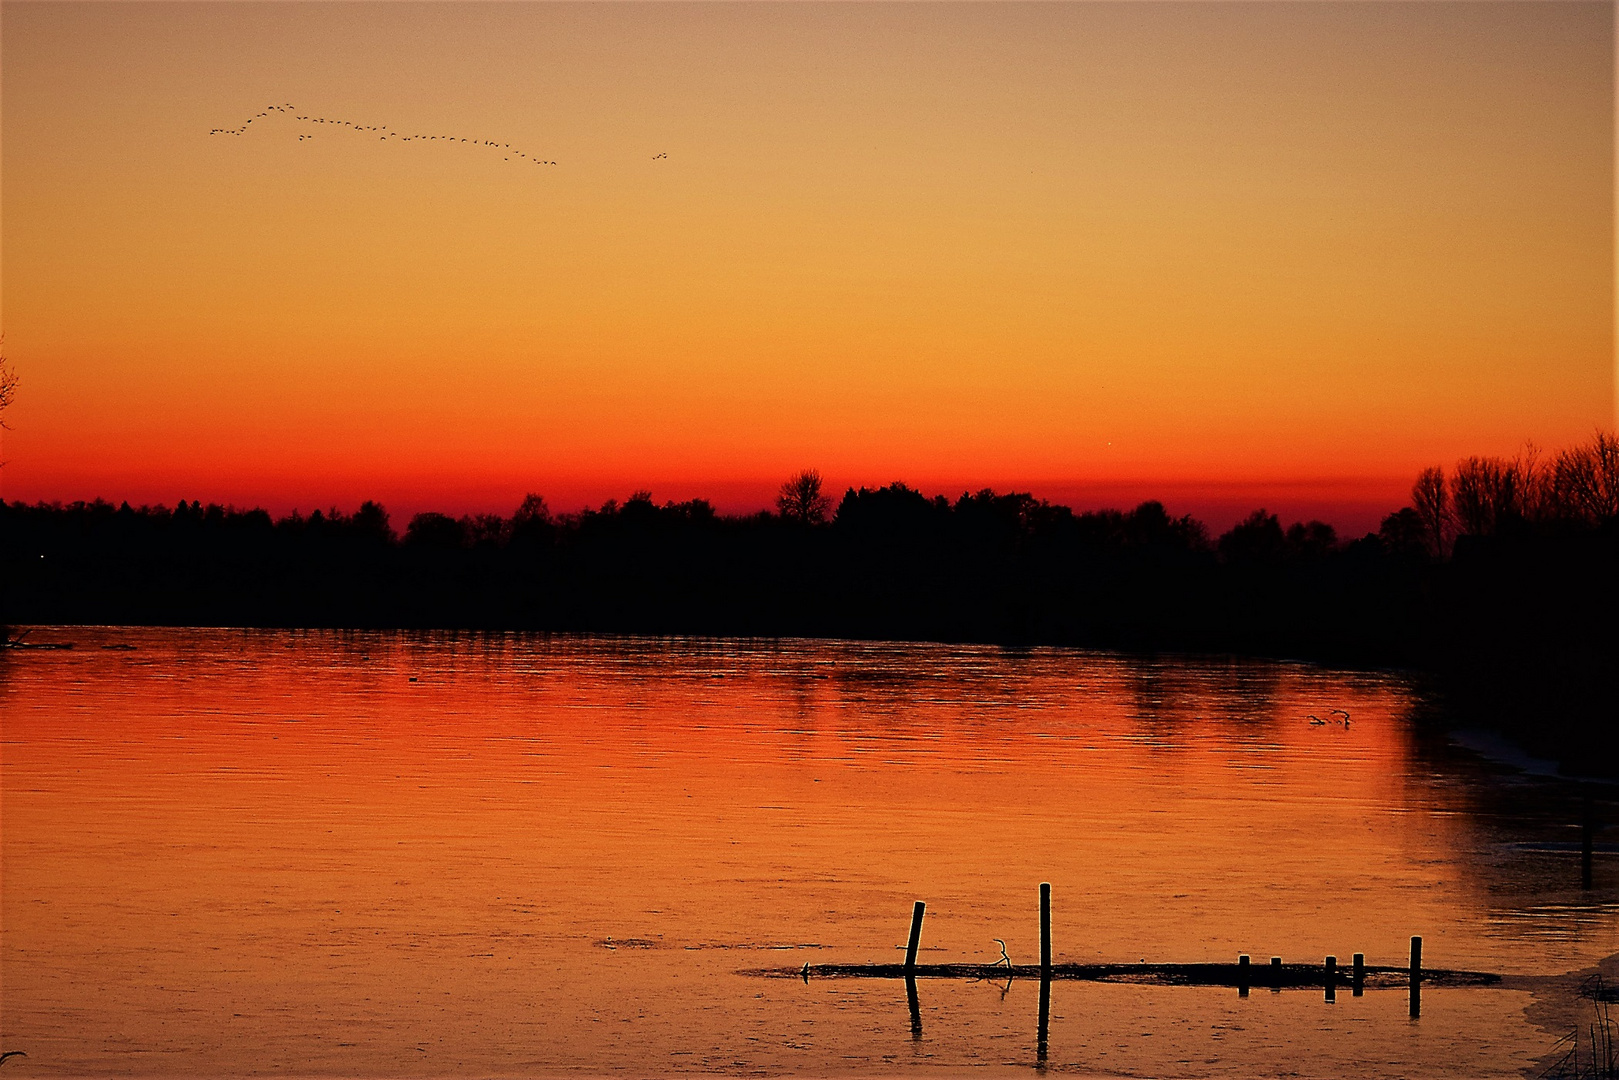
(384, 132)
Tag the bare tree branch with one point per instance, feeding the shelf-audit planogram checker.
(801, 499)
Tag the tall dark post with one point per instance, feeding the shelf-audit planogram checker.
(1416, 977)
(916, 936)
(916, 1008)
(1332, 978)
(1276, 974)
(1045, 930)
(1045, 974)
(1242, 975)
(1359, 977)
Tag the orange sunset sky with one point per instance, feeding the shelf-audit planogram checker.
(1223, 253)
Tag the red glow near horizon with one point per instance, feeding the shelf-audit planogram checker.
(1219, 255)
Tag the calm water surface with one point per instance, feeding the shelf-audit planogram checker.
(232, 853)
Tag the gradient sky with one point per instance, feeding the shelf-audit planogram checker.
(1213, 250)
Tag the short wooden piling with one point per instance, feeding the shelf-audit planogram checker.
(1276, 974)
(1358, 979)
(1045, 930)
(1416, 977)
(1332, 978)
(916, 936)
(1242, 974)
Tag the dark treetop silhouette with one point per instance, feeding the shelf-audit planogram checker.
(1499, 580)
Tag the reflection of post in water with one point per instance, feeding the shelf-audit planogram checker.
(1044, 1031)
(916, 1008)
(1416, 977)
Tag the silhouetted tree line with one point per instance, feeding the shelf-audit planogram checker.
(1499, 578)
(1521, 594)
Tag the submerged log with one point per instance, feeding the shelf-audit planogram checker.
(1283, 975)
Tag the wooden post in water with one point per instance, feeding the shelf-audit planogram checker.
(1358, 983)
(916, 936)
(1045, 929)
(1242, 975)
(1040, 1042)
(916, 1008)
(1332, 978)
(1276, 974)
(1416, 977)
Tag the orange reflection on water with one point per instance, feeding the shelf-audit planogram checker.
(382, 855)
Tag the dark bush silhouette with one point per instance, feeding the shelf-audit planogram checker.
(437, 531)
(1404, 533)
(895, 511)
(1311, 540)
(371, 520)
(1256, 539)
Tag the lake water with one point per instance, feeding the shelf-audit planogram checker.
(272, 853)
